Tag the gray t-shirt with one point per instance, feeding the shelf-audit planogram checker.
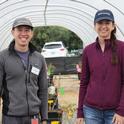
(24, 57)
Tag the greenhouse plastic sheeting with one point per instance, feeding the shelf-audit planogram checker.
(75, 15)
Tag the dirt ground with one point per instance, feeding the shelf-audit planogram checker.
(70, 85)
(68, 97)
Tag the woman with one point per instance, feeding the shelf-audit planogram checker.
(101, 95)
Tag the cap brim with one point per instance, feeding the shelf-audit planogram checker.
(22, 24)
(103, 18)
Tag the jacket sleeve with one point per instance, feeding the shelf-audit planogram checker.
(1, 73)
(120, 108)
(43, 91)
(83, 84)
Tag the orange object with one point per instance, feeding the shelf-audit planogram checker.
(34, 121)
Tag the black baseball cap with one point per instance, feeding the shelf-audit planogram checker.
(104, 14)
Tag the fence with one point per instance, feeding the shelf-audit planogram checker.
(64, 65)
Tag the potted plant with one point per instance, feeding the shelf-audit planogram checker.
(50, 71)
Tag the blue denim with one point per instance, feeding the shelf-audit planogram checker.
(96, 116)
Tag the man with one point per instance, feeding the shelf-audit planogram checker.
(23, 78)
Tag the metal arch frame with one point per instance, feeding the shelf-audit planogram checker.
(77, 27)
(64, 11)
(30, 6)
(45, 12)
(97, 9)
(63, 25)
(59, 13)
(3, 2)
(76, 1)
(117, 10)
(12, 4)
(114, 7)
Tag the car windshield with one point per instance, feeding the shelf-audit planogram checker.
(52, 46)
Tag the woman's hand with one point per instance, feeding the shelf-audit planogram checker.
(79, 121)
(118, 119)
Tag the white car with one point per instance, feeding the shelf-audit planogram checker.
(54, 49)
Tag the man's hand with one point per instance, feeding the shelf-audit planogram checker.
(0, 103)
(44, 122)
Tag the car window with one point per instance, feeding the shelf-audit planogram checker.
(52, 46)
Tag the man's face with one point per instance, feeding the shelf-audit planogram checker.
(22, 35)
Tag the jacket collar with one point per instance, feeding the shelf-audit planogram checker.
(107, 43)
(32, 48)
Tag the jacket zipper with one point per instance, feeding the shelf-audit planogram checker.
(26, 83)
(26, 80)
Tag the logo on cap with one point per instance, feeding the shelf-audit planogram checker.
(103, 15)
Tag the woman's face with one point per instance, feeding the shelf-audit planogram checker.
(104, 29)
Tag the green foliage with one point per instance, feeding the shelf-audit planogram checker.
(55, 33)
(50, 69)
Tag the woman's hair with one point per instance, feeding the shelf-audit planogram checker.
(113, 38)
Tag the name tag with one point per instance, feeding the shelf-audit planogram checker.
(35, 70)
(34, 121)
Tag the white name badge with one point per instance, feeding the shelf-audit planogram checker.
(35, 70)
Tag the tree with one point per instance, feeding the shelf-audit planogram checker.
(55, 33)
